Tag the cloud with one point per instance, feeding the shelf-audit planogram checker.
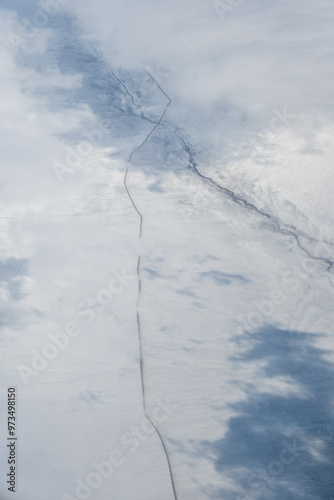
(260, 55)
(227, 77)
(231, 79)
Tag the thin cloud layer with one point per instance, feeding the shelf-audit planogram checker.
(243, 92)
(259, 55)
(231, 68)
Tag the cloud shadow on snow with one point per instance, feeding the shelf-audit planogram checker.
(11, 272)
(281, 443)
(224, 278)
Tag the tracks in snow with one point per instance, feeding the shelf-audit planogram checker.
(289, 231)
(140, 343)
(142, 373)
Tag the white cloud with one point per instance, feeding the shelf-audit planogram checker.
(262, 54)
(227, 78)
(230, 75)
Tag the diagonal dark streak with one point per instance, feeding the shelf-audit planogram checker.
(121, 83)
(250, 206)
(291, 231)
(139, 262)
(157, 124)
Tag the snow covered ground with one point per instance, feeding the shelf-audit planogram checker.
(167, 249)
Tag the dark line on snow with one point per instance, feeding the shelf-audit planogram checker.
(139, 298)
(139, 263)
(250, 206)
(234, 197)
(121, 83)
(140, 343)
(157, 124)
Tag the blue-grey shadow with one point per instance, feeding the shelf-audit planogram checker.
(280, 444)
(224, 278)
(11, 272)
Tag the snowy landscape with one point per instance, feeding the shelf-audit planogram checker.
(167, 250)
